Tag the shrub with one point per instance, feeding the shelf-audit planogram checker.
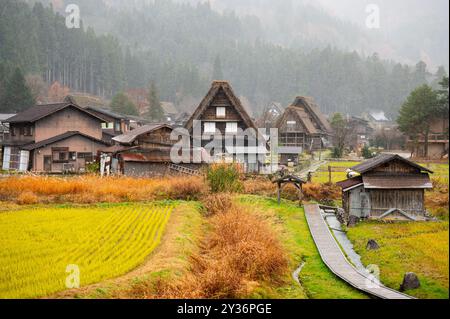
(27, 198)
(367, 153)
(260, 186)
(322, 193)
(337, 152)
(240, 250)
(186, 188)
(93, 168)
(224, 178)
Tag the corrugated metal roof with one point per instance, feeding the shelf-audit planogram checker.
(351, 182)
(382, 159)
(161, 155)
(289, 150)
(419, 181)
(131, 136)
(4, 116)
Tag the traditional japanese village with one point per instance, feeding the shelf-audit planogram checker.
(196, 182)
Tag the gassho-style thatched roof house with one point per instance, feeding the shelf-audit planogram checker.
(302, 127)
(389, 187)
(222, 112)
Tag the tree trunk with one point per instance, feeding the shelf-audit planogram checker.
(427, 135)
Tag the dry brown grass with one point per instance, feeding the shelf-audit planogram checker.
(93, 189)
(239, 253)
(437, 199)
(260, 186)
(312, 191)
(217, 203)
(27, 198)
(322, 192)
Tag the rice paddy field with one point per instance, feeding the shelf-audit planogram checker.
(422, 248)
(43, 248)
(338, 173)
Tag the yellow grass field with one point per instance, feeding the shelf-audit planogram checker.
(422, 248)
(39, 244)
(321, 176)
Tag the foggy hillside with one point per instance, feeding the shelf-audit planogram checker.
(420, 32)
(268, 52)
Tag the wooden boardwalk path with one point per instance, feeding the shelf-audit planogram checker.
(333, 257)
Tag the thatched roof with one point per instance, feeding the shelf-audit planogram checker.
(207, 100)
(306, 112)
(313, 109)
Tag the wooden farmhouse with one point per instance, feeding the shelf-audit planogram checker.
(221, 117)
(302, 127)
(145, 152)
(52, 138)
(389, 187)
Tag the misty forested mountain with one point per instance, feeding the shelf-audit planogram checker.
(182, 47)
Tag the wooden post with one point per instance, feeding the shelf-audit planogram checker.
(279, 194)
(329, 174)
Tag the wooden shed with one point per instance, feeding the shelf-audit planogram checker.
(388, 187)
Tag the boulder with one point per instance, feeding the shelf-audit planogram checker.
(352, 221)
(372, 245)
(410, 281)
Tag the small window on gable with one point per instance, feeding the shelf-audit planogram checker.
(220, 111)
(291, 122)
(210, 127)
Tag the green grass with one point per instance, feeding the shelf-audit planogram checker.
(317, 281)
(322, 175)
(422, 248)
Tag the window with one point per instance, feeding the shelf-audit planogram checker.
(117, 126)
(28, 131)
(60, 154)
(72, 156)
(231, 127)
(291, 122)
(107, 125)
(210, 127)
(88, 157)
(220, 111)
(13, 131)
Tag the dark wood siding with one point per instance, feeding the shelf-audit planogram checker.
(155, 138)
(394, 167)
(409, 200)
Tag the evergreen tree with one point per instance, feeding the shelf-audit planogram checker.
(16, 96)
(417, 113)
(442, 92)
(155, 111)
(123, 105)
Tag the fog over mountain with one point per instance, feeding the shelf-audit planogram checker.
(410, 30)
(269, 50)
